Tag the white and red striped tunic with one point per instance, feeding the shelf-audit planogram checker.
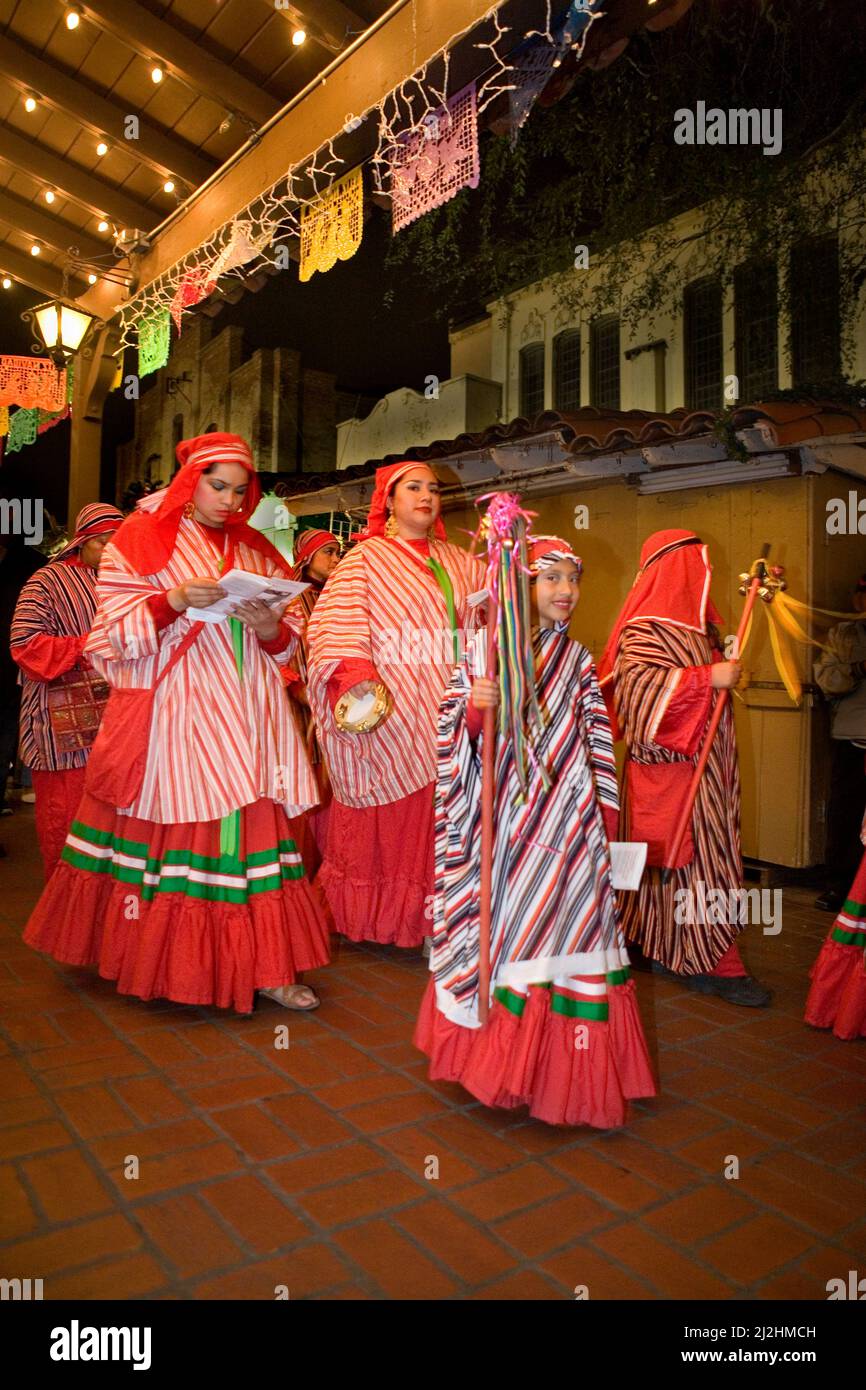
(217, 743)
(382, 606)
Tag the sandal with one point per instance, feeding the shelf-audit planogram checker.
(288, 994)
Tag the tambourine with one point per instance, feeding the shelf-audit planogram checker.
(360, 714)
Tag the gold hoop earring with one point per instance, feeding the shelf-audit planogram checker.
(391, 529)
(189, 510)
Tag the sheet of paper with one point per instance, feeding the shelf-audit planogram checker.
(627, 861)
(241, 586)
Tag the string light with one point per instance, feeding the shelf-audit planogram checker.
(298, 37)
(91, 279)
(50, 195)
(73, 17)
(168, 186)
(35, 249)
(103, 226)
(29, 102)
(7, 283)
(101, 148)
(156, 73)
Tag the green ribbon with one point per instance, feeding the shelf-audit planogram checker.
(230, 825)
(443, 579)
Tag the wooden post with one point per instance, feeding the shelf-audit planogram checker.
(94, 373)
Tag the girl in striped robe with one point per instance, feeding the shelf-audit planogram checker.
(392, 614)
(837, 997)
(49, 629)
(194, 892)
(563, 1035)
(664, 662)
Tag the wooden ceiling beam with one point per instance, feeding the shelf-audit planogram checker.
(102, 198)
(155, 39)
(39, 275)
(44, 227)
(59, 89)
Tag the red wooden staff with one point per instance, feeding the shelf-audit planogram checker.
(488, 771)
(758, 574)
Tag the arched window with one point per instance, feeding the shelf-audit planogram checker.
(531, 380)
(703, 342)
(604, 362)
(566, 370)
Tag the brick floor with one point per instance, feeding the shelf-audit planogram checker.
(158, 1151)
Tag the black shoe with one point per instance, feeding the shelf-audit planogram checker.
(829, 901)
(733, 989)
(659, 969)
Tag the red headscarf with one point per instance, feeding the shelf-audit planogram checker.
(96, 519)
(309, 542)
(672, 587)
(544, 551)
(386, 480)
(147, 538)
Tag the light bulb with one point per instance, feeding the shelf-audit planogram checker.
(50, 195)
(156, 73)
(298, 37)
(101, 148)
(91, 279)
(7, 283)
(35, 249)
(103, 226)
(168, 186)
(30, 102)
(73, 18)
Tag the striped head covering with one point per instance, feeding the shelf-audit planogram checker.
(387, 479)
(147, 538)
(545, 551)
(306, 546)
(96, 519)
(672, 587)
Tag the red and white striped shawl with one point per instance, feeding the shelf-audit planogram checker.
(382, 605)
(216, 743)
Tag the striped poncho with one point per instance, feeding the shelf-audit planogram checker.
(383, 615)
(553, 912)
(217, 742)
(49, 630)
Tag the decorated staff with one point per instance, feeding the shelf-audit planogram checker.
(504, 528)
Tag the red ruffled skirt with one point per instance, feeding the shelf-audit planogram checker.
(377, 874)
(159, 909)
(574, 1060)
(837, 998)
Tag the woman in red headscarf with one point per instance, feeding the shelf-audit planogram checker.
(665, 664)
(62, 697)
(392, 616)
(190, 888)
(563, 1035)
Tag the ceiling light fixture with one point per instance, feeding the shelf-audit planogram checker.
(156, 73)
(29, 101)
(73, 17)
(91, 279)
(50, 195)
(7, 283)
(168, 186)
(101, 148)
(298, 37)
(103, 226)
(36, 249)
